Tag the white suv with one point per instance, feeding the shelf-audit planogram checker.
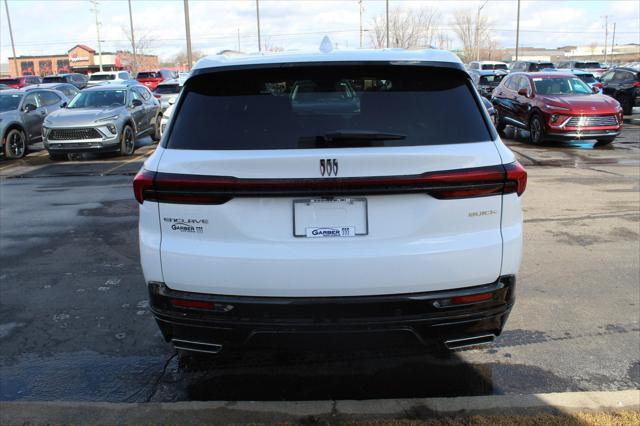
(334, 197)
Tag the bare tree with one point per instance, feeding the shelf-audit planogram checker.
(407, 28)
(181, 57)
(144, 41)
(593, 47)
(474, 33)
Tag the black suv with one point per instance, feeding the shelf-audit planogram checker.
(622, 84)
(531, 66)
(78, 80)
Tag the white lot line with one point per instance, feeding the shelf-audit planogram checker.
(131, 160)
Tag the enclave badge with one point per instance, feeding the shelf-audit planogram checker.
(329, 167)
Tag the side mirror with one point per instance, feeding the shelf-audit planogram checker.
(136, 103)
(30, 107)
(595, 89)
(172, 101)
(63, 105)
(523, 92)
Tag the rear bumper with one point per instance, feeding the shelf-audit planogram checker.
(224, 322)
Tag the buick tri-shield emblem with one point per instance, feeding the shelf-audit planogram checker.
(329, 167)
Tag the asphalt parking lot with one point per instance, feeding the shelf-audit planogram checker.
(74, 323)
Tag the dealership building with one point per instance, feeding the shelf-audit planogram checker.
(80, 58)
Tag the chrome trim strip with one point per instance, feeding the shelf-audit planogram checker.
(473, 341)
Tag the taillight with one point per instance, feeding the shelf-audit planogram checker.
(155, 95)
(636, 84)
(516, 179)
(472, 298)
(143, 184)
(598, 85)
(451, 184)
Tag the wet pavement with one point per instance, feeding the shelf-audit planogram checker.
(74, 321)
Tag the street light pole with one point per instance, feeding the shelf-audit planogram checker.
(188, 33)
(13, 46)
(258, 23)
(478, 31)
(360, 8)
(133, 41)
(387, 24)
(606, 36)
(518, 31)
(613, 40)
(95, 11)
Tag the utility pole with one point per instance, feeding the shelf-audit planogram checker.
(238, 39)
(478, 30)
(258, 22)
(188, 33)
(95, 11)
(606, 35)
(133, 41)
(13, 46)
(613, 39)
(387, 24)
(518, 31)
(360, 7)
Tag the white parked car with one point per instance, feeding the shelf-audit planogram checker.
(166, 115)
(265, 221)
(108, 77)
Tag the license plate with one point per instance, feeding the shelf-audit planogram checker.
(330, 218)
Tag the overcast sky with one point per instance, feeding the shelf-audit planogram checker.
(54, 26)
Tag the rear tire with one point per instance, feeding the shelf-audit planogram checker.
(57, 157)
(626, 104)
(127, 141)
(156, 129)
(15, 144)
(499, 122)
(536, 129)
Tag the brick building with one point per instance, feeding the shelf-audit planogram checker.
(80, 58)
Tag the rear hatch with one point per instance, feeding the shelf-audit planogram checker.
(381, 179)
(149, 79)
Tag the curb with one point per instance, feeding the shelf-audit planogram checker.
(314, 411)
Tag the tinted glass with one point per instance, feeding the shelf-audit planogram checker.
(306, 107)
(494, 67)
(587, 78)
(48, 98)
(561, 86)
(99, 99)
(102, 77)
(167, 89)
(580, 65)
(32, 99)
(149, 75)
(9, 102)
(9, 81)
(53, 79)
(491, 79)
(68, 90)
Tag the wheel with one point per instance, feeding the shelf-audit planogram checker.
(127, 141)
(536, 129)
(604, 141)
(15, 144)
(57, 157)
(626, 104)
(156, 129)
(499, 122)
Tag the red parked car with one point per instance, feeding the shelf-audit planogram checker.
(151, 79)
(20, 82)
(556, 106)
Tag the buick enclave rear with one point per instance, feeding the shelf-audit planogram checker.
(330, 198)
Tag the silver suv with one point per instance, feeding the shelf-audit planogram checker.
(103, 119)
(21, 114)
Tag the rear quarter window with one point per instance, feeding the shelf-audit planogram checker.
(304, 107)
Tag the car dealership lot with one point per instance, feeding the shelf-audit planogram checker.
(74, 323)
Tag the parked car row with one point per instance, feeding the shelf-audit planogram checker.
(71, 113)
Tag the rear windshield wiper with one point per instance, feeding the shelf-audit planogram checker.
(364, 135)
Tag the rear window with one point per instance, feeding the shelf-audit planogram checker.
(327, 107)
(494, 66)
(53, 79)
(587, 78)
(167, 89)
(149, 75)
(9, 81)
(102, 77)
(491, 79)
(580, 65)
